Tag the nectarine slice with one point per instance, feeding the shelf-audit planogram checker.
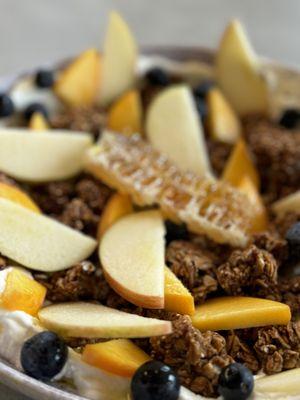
(224, 313)
(78, 84)
(117, 206)
(125, 115)
(119, 357)
(177, 297)
(239, 165)
(22, 293)
(16, 195)
(38, 122)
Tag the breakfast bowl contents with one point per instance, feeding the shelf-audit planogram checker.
(150, 223)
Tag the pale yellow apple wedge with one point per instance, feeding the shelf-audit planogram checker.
(96, 321)
(279, 386)
(132, 255)
(287, 204)
(39, 242)
(174, 128)
(119, 60)
(239, 74)
(29, 156)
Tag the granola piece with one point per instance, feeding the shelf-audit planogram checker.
(273, 244)
(82, 282)
(83, 118)
(194, 267)
(278, 347)
(239, 350)
(290, 291)
(4, 262)
(93, 193)
(219, 153)
(276, 152)
(6, 179)
(252, 271)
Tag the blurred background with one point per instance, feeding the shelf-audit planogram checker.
(37, 31)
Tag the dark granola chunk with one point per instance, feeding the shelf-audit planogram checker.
(3, 262)
(273, 244)
(82, 282)
(241, 352)
(194, 267)
(252, 271)
(277, 155)
(219, 153)
(196, 357)
(289, 288)
(86, 119)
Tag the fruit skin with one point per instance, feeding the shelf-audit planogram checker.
(155, 381)
(290, 118)
(33, 108)
(293, 239)
(16, 195)
(176, 232)
(235, 382)
(125, 115)
(43, 356)
(44, 78)
(38, 122)
(7, 107)
(119, 357)
(117, 206)
(22, 293)
(158, 77)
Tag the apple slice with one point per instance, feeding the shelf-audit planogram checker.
(239, 74)
(119, 60)
(38, 122)
(132, 256)
(223, 123)
(279, 386)
(125, 115)
(39, 242)
(119, 357)
(287, 204)
(177, 298)
(16, 195)
(239, 165)
(78, 84)
(173, 127)
(224, 313)
(54, 155)
(22, 293)
(96, 321)
(117, 206)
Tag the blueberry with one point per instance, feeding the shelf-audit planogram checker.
(35, 107)
(293, 238)
(155, 381)
(290, 118)
(235, 382)
(44, 78)
(176, 232)
(202, 108)
(158, 77)
(201, 90)
(44, 355)
(6, 106)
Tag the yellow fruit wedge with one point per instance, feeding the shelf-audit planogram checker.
(287, 204)
(177, 297)
(38, 122)
(119, 357)
(223, 123)
(118, 206)
(279, 386)
(239, 165)
(16, 195)
(260, 215)
(224, 313)
(78, 84)
(125, 115)
(22, 293)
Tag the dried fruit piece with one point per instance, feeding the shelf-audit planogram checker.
(38, 122)
(287, 204)
(125, 115)
(119, 357)
(224, 313)
(16, 195)
(132, 166)
(22, 293)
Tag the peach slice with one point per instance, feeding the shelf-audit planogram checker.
(38, 122)
(260, 216)
(117, 206)
(125, 115)
(224, 313)
(16, 195)
(22, 293)
(290, 203)
(239, 165)
(78, 84)
(223, 123)
(119, 357)
(177, 297)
